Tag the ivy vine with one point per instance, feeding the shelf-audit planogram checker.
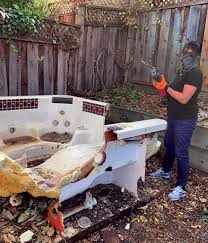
(15, 21)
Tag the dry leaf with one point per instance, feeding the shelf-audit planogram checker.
(34, 226)
(29, 213)
(70, 231)
(26, 236)
(7, 214)
(144, 207)
(155, 220)
(7, 238)
(196, 226)
(203, 200)
(57, 239)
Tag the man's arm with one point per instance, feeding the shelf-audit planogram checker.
(182, 97)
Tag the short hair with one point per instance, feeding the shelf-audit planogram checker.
(194, 46)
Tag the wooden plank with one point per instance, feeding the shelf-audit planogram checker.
(129, 44)
(60, 72)
(3, 73)
(193, 23)
(14, 70)
(144, 33)
(70, 81)
(81, 47)
(202, 22)
(95, 54)
(150, 44)
(40, 69)
(101, 60)
(89, 57)
(66, 66)
(176, 45)
(48, 70)
(204, 57)
(32, 63)
(138, 48)
(163, 44)
(24, 68)
(110, 58)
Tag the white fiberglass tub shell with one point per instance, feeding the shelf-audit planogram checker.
(77, 150)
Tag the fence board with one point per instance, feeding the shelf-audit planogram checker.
(202, 23)
(144, 71)
(176, 46)
(193, 23)
(110, 58)
(48, 70)
(151, 40)
(3, 73)
(204, 57)
(14, 70)
(120, 53)
(163, 44)
(89, 57)
(32, 63)
(60, 74)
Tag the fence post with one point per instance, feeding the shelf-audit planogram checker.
(129, 59)
(204, 57)
(80, 19)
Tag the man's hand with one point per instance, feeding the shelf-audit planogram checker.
(162, 85)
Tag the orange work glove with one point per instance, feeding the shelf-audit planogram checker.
(162, 85)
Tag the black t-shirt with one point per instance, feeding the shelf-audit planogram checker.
(187, 111)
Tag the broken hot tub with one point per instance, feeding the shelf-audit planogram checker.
(59, 146)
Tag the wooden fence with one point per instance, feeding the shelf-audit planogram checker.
(109, 54)
(112, 54)
(40, 63)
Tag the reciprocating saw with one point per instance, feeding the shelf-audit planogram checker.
(157, 76)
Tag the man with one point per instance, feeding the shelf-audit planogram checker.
(182, 113)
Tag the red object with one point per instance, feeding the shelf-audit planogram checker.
(162, 92)
(57, 220)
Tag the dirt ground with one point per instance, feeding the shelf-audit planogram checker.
(158, 221)
(162, 220)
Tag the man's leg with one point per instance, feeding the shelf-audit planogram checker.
(170, 147)
(183, 133)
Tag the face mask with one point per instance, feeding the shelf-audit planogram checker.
(188, 62)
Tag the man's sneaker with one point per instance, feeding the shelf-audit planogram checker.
(160, 173)
(177, 194)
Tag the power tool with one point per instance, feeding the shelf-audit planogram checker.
(157, 76)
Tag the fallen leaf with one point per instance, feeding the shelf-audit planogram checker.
(196, 226)
(142, 218)
(70, 231)
(8, 238)
(57, 239)
(26, 236)
(155, 220)
(34, 226)
(165, 204)
(47, 230)
(121, 237)
(203, 200)
(26, 215)
(144, 207)
(7, 214)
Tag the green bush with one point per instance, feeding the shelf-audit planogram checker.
(21, 15)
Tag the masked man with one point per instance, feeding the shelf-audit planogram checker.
(182, 113)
